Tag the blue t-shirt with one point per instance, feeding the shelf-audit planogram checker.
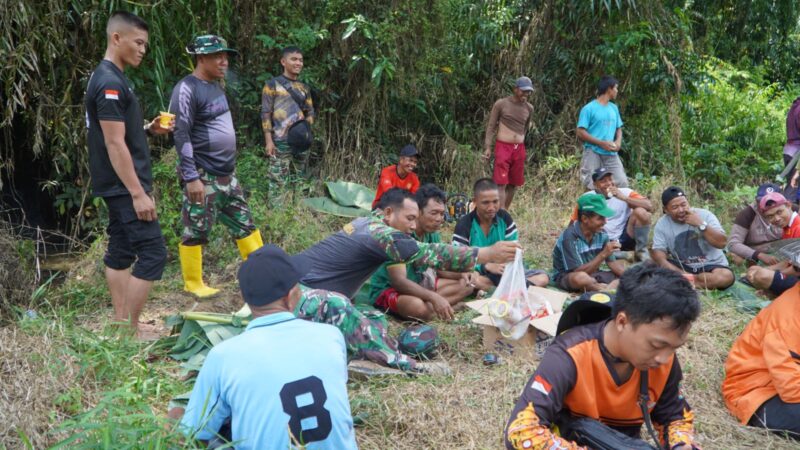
(280, 372)
(601, 122)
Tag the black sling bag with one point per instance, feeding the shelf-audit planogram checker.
(299, 136)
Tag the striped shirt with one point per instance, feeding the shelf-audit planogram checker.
(572, 250)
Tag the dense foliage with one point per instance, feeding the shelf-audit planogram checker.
(704, 85)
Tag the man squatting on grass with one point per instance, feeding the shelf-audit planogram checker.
(595, 370)
(762, 373)
(782, 275)
(400, 175)
(278, 374)
(342, 262)
(418, 292)
(487, 224)
(508, 122)
(630, 224)
(119, 163)
(583, 247)
(690, 241)
(751, 233)
(206, 143)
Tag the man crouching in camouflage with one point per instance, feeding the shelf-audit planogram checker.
(342, 262)
(206, 145)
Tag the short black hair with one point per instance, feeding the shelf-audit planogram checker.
(128, 19)
(606, 82)
(483, 185)
(647, 293)
(394, 198)
(290, 49)
(429, 191)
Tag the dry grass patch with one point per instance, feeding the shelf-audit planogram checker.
(37, 388)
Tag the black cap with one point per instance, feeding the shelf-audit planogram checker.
(269, 274)
(600, 173)
(671, 193)
(765, 189)
(409, 150)
(591, 307)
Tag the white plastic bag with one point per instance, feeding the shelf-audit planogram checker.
(509, 308)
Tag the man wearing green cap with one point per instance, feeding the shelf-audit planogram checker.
(206, 143)
(583, 247)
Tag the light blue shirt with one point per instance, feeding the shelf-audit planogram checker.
(602, 122)
(281, 373)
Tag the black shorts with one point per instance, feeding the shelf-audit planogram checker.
(702, 269)
(627, 242)
(132, 240)
(781, 283)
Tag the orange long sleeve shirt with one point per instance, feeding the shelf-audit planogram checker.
(765, 359)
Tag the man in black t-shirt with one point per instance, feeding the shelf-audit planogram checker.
(119, 163)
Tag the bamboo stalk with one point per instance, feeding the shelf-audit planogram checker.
(223, 319)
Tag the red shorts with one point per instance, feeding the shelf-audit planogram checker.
(387, 300)
(509, 163)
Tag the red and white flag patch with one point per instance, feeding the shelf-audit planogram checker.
(112, 94)
(541, 385)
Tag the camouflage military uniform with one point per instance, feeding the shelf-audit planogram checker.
(366, 337)
(223, 197)
(285, 168)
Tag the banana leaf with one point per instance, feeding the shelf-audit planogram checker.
(788, 249)
(746, 298)
(346, 193)
(328, 206)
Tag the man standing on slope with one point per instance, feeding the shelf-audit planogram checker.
(206, 144)
(119, 163)
(600, 130)
(508, 122)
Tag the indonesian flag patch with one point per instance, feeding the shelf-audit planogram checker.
(112, 94)
(541, 385)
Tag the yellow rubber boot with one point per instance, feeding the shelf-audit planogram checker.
(191, 257)
(249, 244)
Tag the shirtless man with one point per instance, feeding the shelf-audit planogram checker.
(508, 123)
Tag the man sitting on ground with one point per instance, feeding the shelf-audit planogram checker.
(594, 368)
(630, 224)
(400, 175)
(782, 275)
(404, 289)
(751, 233)
(257, 379)
(486, 225)
(583, 247)
(690, 241)
(342, 262)
(762, 373)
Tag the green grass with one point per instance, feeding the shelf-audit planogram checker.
(77, 382)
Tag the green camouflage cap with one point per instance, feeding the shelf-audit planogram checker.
(208, 44)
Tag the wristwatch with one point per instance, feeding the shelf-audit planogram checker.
(703, 226)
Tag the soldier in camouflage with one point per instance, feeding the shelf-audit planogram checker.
(280, 110)
(366, 337)
(341, 263)
(206, 143)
